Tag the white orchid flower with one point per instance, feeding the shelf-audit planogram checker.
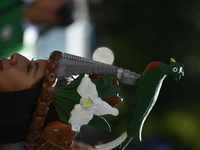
(90, 104)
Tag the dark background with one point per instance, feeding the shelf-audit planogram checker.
(142, 31)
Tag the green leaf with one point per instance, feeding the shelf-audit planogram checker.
(64, 106)
(103, 81)
(109, 92)
(66, 97)
(100, 122)
(104, 86)
(62, 112)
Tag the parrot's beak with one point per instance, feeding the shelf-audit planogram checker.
(180, 66)
(180, 74)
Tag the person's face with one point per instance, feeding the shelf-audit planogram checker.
(19, 73)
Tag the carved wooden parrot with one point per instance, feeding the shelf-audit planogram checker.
(147, 90)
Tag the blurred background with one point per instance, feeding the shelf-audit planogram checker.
(138, 32)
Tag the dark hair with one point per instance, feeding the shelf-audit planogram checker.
(16, 111)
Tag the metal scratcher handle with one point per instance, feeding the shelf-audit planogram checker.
(73, 65)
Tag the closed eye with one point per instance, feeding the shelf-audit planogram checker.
(29, 66)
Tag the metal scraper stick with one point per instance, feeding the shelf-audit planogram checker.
(73, 65)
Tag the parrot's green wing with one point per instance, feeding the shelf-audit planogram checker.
(147, 90)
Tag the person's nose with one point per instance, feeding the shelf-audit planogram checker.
(16, 58)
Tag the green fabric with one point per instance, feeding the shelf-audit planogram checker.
(11, 32)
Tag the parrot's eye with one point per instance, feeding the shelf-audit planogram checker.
(175, 69)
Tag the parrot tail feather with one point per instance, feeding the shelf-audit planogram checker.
(112, 144)
(125, 143)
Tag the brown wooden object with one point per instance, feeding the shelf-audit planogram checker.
(56, 135)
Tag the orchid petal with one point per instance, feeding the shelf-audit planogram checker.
(79, 117)
(86, 88)
(102, 108)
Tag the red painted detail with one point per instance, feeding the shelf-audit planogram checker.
(151, 65)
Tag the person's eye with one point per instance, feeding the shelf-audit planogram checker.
(29, 66)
